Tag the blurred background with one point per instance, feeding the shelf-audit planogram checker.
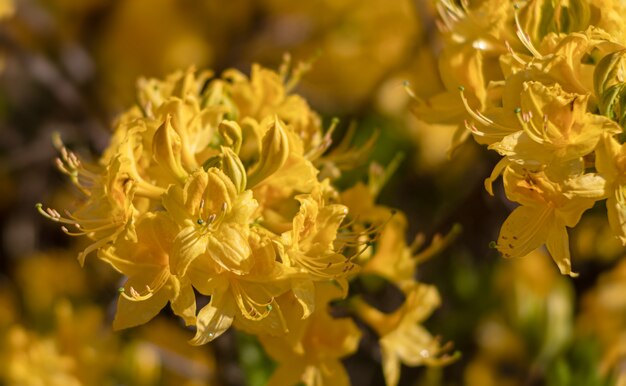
(70, 66)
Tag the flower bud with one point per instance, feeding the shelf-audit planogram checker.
(609, 71)
(274, 153)
(167, 149)
(231, 132)
(610, 87)
(234, 169)
(542, 17)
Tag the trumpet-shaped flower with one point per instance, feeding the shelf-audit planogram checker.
(556, 128)
(151, 283)
(310, 245)
(246, 299)
(214, 219)
(402, 338)
(547, 208)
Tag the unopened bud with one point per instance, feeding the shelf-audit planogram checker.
(274, 153)
(167, 148)
(231, 132)
(233, 168)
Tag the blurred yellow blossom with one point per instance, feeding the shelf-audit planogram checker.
(603, 317)
(530, 328)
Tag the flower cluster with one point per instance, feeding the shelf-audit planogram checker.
(542, 84)
(213, 194)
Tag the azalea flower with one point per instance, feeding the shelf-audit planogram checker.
(151, 282)
(213, 219)
(546, 209)
(556, 129)
(402, 338)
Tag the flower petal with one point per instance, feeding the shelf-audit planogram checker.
(213, 320)
(617, 218)
(558, 246)
(524, 230)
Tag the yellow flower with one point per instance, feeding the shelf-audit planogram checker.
(546, 209)
(565, 57)
(108, 212)
(214, 219)
(267, 94)
(401, 336)
(246, 299)
(211, 189)
(151, 282)
(557, 129)
(310, 245)
(489, 42)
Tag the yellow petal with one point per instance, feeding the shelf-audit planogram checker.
(213, 320)
(617, 218)
(188, 245)
(232, 134)
(524, 231)
(558, 245)
(304, 291)
(606, 153)
(495, 173)
(132, 313)
(184, 304)
(588, 185)
(289, 373)
(391, 364)
(230, 248)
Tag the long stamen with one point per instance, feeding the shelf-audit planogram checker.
(327, 140)
(525, 120)
(214, 220)
(524, 37)
(156, 284)
(479, 117)
(514, 55)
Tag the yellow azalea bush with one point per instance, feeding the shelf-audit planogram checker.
(541, 84)
(216, 195)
